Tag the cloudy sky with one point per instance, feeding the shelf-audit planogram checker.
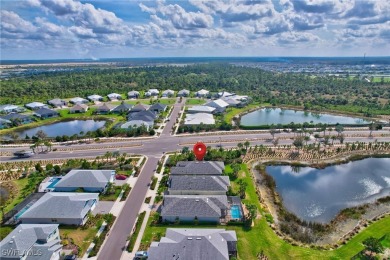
(52, 29)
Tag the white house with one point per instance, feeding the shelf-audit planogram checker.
(6, 109)
(78, 100)
(114, 96)
(95, 98)
(200, 109)
(202, 93)
(219, 105)
(199, 118)
(168, 93)
(133, 94)
(35, 105)
(152, 92)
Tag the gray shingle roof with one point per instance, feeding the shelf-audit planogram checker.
(61, 205)
(13, 116)
(198, 167)
(158, 106)
(140, 107)
(199, 183)
(142, 115)
(194, 244)
(123, 107)
(85, 179)
(194, 205)
(45, 111)
(26, 236)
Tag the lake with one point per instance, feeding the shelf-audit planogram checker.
(64, 128)
(319, 194)
(268, 116)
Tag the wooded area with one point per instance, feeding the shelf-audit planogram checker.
(315, 92)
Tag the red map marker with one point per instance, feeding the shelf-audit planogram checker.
(200, 150)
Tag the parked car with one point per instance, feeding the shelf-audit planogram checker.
(120, 177)
(141, 255)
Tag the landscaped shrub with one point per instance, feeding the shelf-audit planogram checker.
(133, 237)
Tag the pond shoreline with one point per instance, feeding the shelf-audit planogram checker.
(339, 229)
(238, 117)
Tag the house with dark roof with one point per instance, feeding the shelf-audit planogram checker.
(122, 108)
(18, 118)
(88, 180)
(79, 108)
(188, 208)
(68, 208)
(200, 109)
(104, 108)
(57, 102)
(158, 107)
(133, 94)
(44, 113)
(138, 123)
(198, 185)
(4, 123)
(195, 244)
(32, 242)
(198, 168)
(139, 107)
(143, 115)
(183, 93)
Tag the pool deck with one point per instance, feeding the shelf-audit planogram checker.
(45, 184)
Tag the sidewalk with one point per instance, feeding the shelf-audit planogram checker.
(147, 208)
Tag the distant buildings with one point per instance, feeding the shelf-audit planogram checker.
(17, 118)
(200, 109)
(35, 105)
(94, 98)
(183, 93)
(66, 208)
(195, 244)
(168, 93)
(219, 105)
(45, 113)
(6, 109)
(104, 108)
(133, 94)
(32, 242)
(114, 96)
(158, 107)
(122, 108)
(57, 102)
(199, 118)
(78, 100)
(79, 108)
(202, 93)
(152, 92)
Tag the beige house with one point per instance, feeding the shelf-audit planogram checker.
(79, 108)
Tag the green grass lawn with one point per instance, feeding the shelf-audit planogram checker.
(4, 231)
(195, 101)
(111, 197)
(262, 238)
(20, 184)
(81, 237)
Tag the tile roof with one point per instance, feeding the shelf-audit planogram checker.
(194, 205)
(194, 244)
(199, 183)
(198, 167)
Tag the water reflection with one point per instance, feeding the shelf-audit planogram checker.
(318, 195)
(268, 116)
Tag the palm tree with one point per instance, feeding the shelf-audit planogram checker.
(298, 142)
(306, 138)
(240, 145)
(246, 144)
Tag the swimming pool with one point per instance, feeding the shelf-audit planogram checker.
(53, 182)
(235, 212)
(20, 213)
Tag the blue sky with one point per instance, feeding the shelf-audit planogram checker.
(58, 29)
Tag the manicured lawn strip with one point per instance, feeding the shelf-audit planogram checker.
(126, 187)
(81, 237)
(195, 101)
(4, 231)
(262, 238)
(111, 197)
(99, 240)
(134, 236)
(231, 112)
(20, 185)
(154, 182)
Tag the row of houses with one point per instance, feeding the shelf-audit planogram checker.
(37, 235)
(143, 115)
(196, 192)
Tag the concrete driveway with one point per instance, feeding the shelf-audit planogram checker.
(103, 207)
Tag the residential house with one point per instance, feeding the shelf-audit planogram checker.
(88, 180)
(78, 100)
(219, 105)
(183, 93)
(195, 244)
(202, 93)
(143, 115)
(199, 118)
(236, 100)
(198, 168)
(198, 185)
(225, 94)
(139, 107)
(138, 123)
(158, 107)
(114, 96)
(4, 123)
(79, 108)
(18, 118)
(57, 102)
(200, 109)
(152, 92)
(104, 108)
(133, 94)
(232, 102)
(35, 105)
(188, 208)
(44, 113)
(95, 98)
(168, 93)
(68, 208)
(6, 109)
(122, 108)
(32, 242)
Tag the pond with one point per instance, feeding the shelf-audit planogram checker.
(268, 116)
(64, 128)
(319, 194)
